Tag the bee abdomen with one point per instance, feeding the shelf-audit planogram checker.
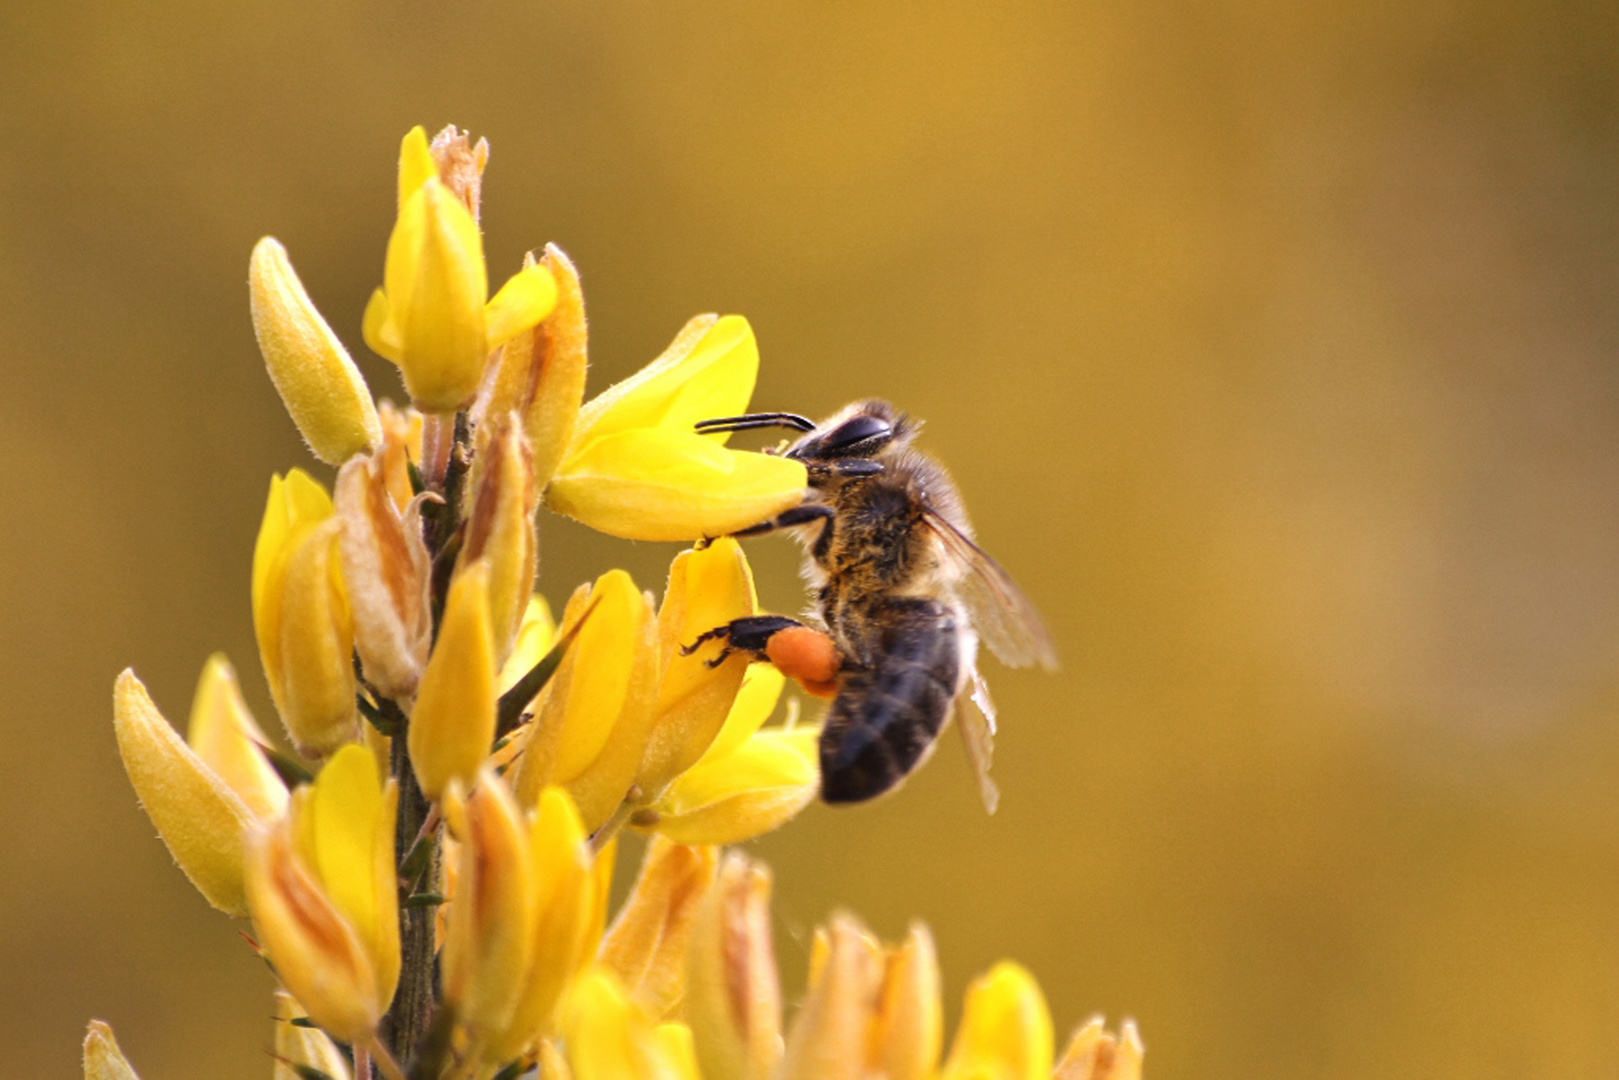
(887, 715)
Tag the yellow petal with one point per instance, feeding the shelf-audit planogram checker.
(828, 1040)
(671, 484)
(758, 787)
(500, 528)
(201, 820)
(1005, 1031)
(707, 588)
(527, 297)
(453, 723)
(646, 946)
(296, 504)
(315, 951)
(489, 939)
(755, 701)
(707, 371)
(733, 997)
(379, 329)
(535, 635)
(316, 647)
(1093, 1054)
(677, 1049)
(228, 740)
(320, 386)
(567, 896)
(436, 288)
(416, 165)
(909, 1026)
(103, 1060)
(343, 821)
(610, 1037)
(302, 1045)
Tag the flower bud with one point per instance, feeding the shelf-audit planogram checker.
(908, 1029)
(828, 1040)
(1093, 1054)
(1005, 1029)
(199, 817)
(646, 946)
(386, 570)
(103, 1060)
(452, 725)
(637, 469)
(610, 1037)
(500, 528)
(301, 615)
(489, 937)
(733, 997)
(320, 386)
(324, 895)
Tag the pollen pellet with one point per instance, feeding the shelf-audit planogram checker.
(806, 655)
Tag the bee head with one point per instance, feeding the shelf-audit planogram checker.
(862, 430)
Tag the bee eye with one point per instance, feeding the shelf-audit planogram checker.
(854, 433)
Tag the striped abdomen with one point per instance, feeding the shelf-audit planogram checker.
(889, 710)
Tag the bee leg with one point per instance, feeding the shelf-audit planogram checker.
(843, 469)
(750, 635)
(798, 515)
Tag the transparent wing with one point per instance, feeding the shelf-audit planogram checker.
(975, 719)
(1005, 618)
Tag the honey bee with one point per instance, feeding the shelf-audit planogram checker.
(902, 597)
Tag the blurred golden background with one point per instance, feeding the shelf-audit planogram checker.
(1273, 346)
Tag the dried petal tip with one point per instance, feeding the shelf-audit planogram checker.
(1093, 1054)
(102, 1058)
(320, 386)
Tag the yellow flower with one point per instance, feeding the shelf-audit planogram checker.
(592, 721)
(433, 315)
(749, 781)
(733, 995)
(908, 1025)
(226, 737)
(453, 722)
(489, 936)
(103, 1060)
(646, 946)
(610, 1037)
(707, 588)
(1005, 1031)
(567, 905)
(200, 817)
(301, 615)
(828, 1040)
(636, 468)
(320, 386)
(323, 893)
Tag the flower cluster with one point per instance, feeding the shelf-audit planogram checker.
(429, 877)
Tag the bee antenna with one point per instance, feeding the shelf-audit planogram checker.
(755, 420)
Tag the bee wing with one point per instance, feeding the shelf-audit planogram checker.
(1005, 618)
(976, 721)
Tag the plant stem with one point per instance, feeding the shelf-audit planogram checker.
(412, 1007)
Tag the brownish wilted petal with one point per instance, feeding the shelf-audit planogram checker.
(1093, 1054)
(460, 164)
(500, 528)
(386, 569)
